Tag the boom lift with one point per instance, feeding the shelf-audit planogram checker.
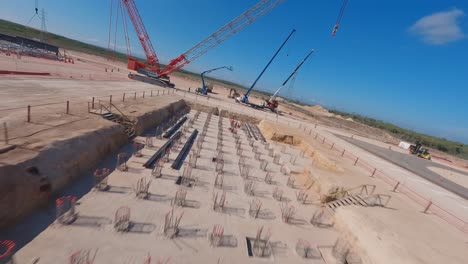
(151, 70)
(245, 98)
(272, 103)
(203, 90)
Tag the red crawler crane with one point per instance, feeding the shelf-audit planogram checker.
(152, 72)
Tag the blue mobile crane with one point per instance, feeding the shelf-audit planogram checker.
(203, 90)
(245, 98)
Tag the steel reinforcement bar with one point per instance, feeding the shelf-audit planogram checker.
(160, 153)
(176, 127)
(185, 150)
(249, 128)
(258, 132)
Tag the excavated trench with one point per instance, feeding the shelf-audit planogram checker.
(31, 184)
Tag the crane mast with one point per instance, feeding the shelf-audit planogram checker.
(143, 37)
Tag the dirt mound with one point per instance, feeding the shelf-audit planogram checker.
(286, 139)
(323, 162)
(271, 132)
(318, 108)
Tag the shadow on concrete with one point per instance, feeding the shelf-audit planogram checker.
(192, 233)
(91, 221)
(31, 226)
(234, 211)
(142, 228)
(228, 241)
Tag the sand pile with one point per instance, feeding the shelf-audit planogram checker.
(293, 138)
(322, 161)
(267, 129)
(317, 109)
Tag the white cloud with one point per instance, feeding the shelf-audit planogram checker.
(440, 28)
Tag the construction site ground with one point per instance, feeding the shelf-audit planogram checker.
(420, 237)
(390, 225)
(421, 167)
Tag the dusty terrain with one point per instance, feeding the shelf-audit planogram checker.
(49, 158)
(198, 219)
(400, 229)
(457, 177)
(416, 165)
(393, 225)
(315, 168)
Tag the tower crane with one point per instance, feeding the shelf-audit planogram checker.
(245, 98)
(152, 71)
(203, 89)
(272, 103)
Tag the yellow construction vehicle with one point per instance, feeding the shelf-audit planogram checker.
(420, 151)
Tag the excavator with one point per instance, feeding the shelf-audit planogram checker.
(151, 70)
(419, 151)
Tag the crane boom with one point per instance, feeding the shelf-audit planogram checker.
(220, 35)
(145, 41)
(289, 77)
(245, 97)
(340, 16)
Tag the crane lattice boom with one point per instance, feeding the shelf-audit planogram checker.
(222, 34)
(145, 41)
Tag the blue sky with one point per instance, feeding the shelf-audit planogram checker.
(404, 62)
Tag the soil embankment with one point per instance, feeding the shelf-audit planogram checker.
(152, 118)
(46, 162)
